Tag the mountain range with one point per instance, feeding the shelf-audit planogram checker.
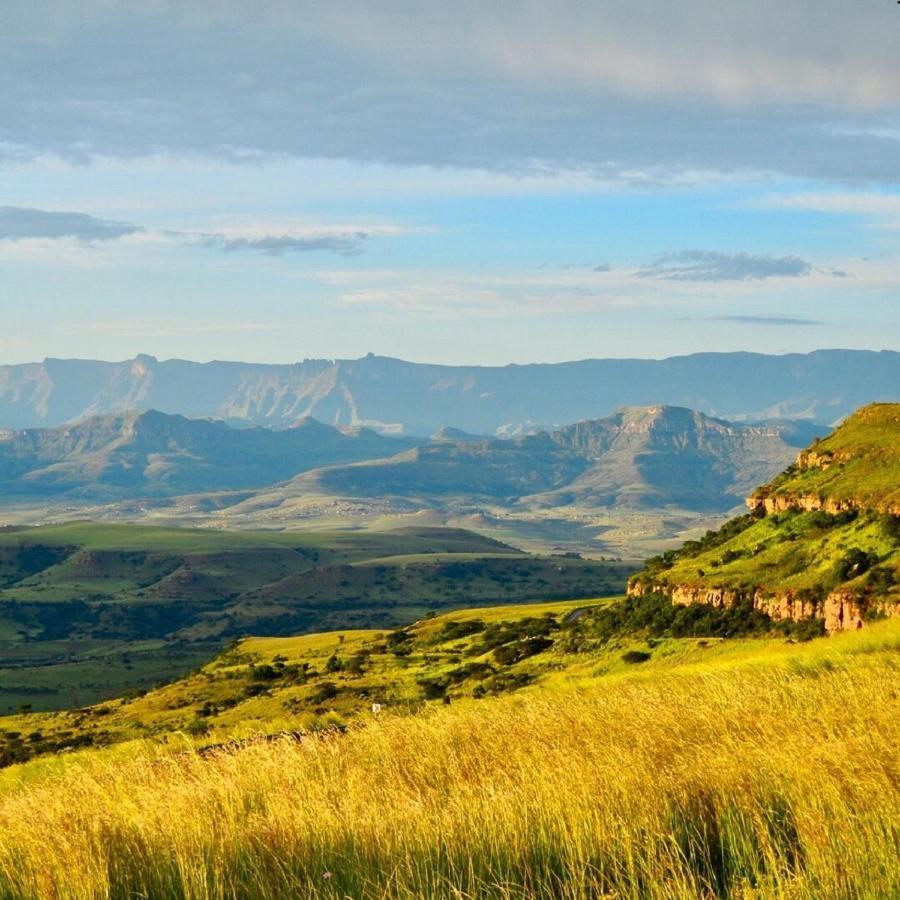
(399, 397)
(156, 454)
(640, 457)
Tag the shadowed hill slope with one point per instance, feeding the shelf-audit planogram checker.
(86, 609)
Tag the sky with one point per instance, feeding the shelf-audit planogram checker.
(469, 182)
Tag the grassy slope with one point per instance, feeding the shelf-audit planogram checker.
(862, 462)
(788, 552)
(271, 684)
(773, 772)
(155, 602)
(274, 683)
(811, 553)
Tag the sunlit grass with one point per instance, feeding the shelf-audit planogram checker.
(775, 777)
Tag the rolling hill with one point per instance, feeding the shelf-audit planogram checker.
(90, 610)
(821, 541)
(260, 685)
(417, 399)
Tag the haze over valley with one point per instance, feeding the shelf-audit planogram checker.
(616, 485)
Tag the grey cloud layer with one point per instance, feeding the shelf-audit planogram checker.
(706, 265)
(277, 244)
(19, 224)
(612, 88)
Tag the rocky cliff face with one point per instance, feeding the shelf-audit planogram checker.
(763, 501)
(813, 503)
(841, 610)
(843, 567)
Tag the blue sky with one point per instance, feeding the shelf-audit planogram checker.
(490, 183)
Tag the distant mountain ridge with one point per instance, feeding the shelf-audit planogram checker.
(156, 454)
(640, 456)
(400, 397)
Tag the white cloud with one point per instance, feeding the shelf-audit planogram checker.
(574, 292)
(869, 204)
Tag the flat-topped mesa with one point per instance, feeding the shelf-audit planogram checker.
(822, 540)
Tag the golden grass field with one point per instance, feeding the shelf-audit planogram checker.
(773, 774)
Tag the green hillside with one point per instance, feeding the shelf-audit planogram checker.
(89, 611)
(858, 466)
(267, 685)
(821, 541)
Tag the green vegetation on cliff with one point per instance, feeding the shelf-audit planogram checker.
(827, 527)
(857, 465)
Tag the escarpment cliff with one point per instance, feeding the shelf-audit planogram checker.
(839, 610)
(821, 541)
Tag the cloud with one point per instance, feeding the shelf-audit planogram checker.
(764, 320)
(21, 224)
(278, 244)
(709, 265)
(167, 327)
(639, 92)
(848, 203)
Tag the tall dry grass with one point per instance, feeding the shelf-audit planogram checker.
(756, 782)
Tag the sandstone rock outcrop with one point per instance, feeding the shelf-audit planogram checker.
(841, 610)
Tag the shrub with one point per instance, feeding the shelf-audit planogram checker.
(454, 630)
(512, 653)
(890, 525)
(327, 690)
(657, 616)
(853, 564)
(470, 670)
(882, 578)
(434, 688)
(264, 672)
(636, 656)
